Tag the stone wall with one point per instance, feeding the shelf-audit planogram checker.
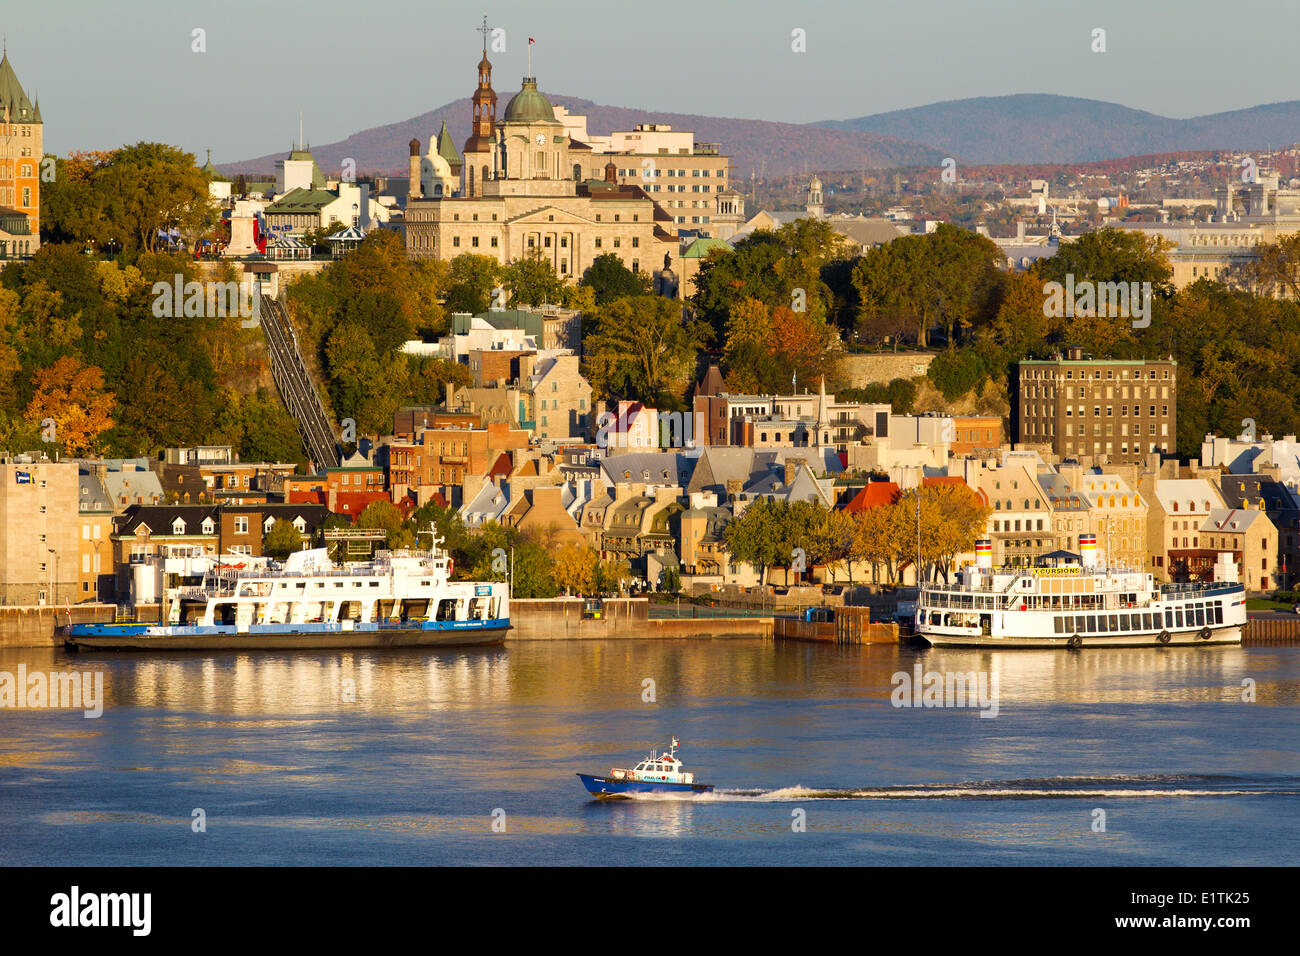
(35, 626)
(856, 371)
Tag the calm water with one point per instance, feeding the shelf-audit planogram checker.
(287, 772)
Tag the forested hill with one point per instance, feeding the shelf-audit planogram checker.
(1044, 128)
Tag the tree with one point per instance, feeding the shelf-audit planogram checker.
(948, 278)
(470, 284)
(384, 516)
(610, 279)
(73, 395)
(574, 569)
(641, 349)
(1111, 255)
(531, 281)
(129, 196)
(282, 540)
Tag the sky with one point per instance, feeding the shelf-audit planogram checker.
(114, 73)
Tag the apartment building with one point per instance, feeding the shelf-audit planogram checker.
(1116, 410)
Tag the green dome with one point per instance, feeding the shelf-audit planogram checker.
(529, 106)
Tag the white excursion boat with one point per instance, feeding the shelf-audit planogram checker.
(1070, 601)
(400, 599)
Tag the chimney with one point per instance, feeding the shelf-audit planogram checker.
(734, 486)
(451, 395)
(413, 184)
(792, 469)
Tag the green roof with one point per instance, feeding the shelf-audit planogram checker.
(529, 106)
(12, 96)
(1089, 361)
(302, 200)
(703, 246)
(212, 171)
(446, 148)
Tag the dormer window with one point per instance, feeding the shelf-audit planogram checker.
(178, 526)
(208, 526)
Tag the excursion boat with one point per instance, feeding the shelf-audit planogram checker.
(402, 598)
(662, 774)
(1068, 600)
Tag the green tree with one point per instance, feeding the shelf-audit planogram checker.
(470, 283)
(610, 279)
(282, 540)
(531, 281)
(641, 349)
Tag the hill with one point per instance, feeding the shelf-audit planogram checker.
(771, 148)
(1044, 128)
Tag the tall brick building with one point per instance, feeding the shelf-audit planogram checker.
(1119, 409)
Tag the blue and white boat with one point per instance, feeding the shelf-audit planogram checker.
(662, 774)
(403, 598)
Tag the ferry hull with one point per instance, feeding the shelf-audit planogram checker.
(154, 637)
(1218, 636)
(606, 788)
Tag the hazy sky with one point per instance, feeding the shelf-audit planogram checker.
(112, 73)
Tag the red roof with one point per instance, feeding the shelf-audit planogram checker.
(874, 494)
(941, 480)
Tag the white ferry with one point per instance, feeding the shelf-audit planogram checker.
(400, 599)
(1070, 601)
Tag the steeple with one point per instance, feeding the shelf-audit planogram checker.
(485, 103)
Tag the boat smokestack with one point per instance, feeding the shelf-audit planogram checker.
(984, 554)
(1088, 550)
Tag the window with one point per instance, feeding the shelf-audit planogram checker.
(241, 524)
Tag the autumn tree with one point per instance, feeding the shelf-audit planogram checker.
(574, 568)
(73, 395)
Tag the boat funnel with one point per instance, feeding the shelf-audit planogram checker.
(984, 554)
(1088, 550)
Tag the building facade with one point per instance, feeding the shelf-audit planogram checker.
(1111, 409)
(22, 135)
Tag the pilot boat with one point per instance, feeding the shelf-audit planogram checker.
(662, 774)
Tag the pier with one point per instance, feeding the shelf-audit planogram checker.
(834, 625)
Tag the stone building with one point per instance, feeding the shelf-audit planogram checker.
(525, 192)
(39, 531)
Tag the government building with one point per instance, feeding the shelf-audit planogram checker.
(525, 186)
(21, 138)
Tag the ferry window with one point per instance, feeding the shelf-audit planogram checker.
(1218, 613)
(301, 584)
(1146, 622)
(1105, 625)
(1080, 623)
(1200, 615)
(1092, 622)
(1060, 625)
(1178, 617)
(1169, 618)
(374, 584)
(338, 584)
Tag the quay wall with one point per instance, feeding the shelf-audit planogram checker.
(35, 626)
(534, 620)
(561, 619)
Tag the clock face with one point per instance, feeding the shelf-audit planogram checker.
(541, 139)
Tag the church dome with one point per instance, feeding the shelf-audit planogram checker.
(529, 106)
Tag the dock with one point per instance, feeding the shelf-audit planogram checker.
(834, 625)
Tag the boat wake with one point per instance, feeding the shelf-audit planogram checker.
(1119, 787)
